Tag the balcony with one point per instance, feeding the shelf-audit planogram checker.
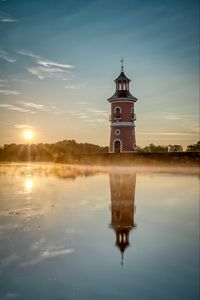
(133, 117)
(115, 118)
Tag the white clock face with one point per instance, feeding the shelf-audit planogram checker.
(117, 132)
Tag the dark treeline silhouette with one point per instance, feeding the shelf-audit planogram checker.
(170, 148)
(70, 150)
(57, 152)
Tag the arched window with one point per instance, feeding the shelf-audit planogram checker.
(117, 112)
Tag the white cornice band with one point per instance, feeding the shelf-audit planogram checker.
(127, 124)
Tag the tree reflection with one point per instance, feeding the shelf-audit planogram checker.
(122, 188)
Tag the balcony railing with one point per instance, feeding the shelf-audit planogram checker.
(133, 117)
(118, 117)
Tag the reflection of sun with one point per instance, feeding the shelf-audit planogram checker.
(28, 134)
(28, 184)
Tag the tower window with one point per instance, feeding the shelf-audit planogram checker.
(117, 112)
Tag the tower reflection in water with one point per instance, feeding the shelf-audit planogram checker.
(122, 188)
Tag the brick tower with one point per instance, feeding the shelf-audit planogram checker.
(122, 136)
(122, 189)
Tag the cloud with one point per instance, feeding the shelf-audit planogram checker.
(27, 53)
(21, 126)
(32, 108)
(14, 107)
(9, 92)
(75, 87)
(6, 18)
(43, 73)
(5, 56)
(105, 86)
(37, 106)
(98, 112)
(46, 68)
(48, 63)
(46, 254)
(83, 117)
(41, 107)
(82, 103)
(91, 115)
(173, 116)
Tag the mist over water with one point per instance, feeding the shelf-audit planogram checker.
(82, 232)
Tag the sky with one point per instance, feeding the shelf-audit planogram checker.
(58, 60)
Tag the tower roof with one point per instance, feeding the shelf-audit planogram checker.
(122, 77)
(122, 92)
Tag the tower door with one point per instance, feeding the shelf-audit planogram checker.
(117, 146)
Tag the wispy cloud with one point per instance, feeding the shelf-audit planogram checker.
(21, 126)
(27, 53)
(10, 92)
(5, 56)
(75, 86)
(48, 63)
(91, 115)
(98, 112)
(41, 107)
(174, 117)
(42, 72)
(46, 68)
(46, 254)
(32, 108)
(7, 18)
(14, 107)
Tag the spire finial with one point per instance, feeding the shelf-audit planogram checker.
(122, 259)
(122, 67)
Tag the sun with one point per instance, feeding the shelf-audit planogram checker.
(28, 134)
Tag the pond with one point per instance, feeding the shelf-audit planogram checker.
(76, 232)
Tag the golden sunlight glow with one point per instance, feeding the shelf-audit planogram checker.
(28, 184)
(28, 134)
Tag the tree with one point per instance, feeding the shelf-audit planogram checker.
(175, 148)
(153, 148)
(194, 147)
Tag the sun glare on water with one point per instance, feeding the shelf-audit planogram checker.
(28, 134)
(28, 184)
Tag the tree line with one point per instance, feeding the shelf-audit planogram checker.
(68, 149)
(170, 148)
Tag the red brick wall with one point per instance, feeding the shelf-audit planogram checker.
(126, 108)
(127, 134)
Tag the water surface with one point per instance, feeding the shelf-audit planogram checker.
(94, 233)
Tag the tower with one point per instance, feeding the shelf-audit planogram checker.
(122, 188)
(122, 136)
